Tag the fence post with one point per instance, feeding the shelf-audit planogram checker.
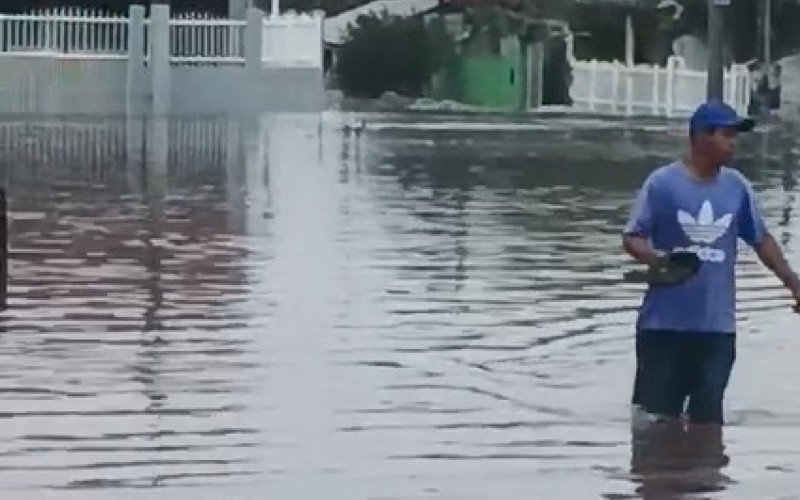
(670, 100)
(656, 93)
(629, 91)
(730, 76)
(253, 44)
(137, 90)
(159, 58)
(253, 60)
(614, 87)
(319, 16)
(319, 41)
(136, 81)
(724, 89)
(744, 88)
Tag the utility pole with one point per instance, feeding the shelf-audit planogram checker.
(767, 33)
(716, 27)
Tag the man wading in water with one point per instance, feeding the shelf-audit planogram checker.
(686, 332)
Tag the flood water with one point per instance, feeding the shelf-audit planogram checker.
(429, 308)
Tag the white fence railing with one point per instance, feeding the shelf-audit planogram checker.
(293, 40)
(84, 61)
(204, 40)
(673, 90)
(79, 32)
(288, 40)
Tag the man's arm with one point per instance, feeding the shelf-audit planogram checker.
(771, 255)
(640, 249)
(641, 224)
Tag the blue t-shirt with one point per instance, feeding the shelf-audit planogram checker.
(676, 211)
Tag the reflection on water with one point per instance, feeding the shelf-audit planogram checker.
(430, 308)
(670, 458)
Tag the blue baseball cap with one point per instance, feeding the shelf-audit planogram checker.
(714, 115)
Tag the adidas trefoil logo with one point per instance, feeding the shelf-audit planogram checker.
(704, 229)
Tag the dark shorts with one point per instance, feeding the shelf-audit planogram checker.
(679, 372)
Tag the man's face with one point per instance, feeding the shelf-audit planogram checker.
(718, 145)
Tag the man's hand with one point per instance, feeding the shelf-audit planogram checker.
(796, 305)
(640, 249)
(771, 255)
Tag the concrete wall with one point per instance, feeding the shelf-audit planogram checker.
(62, 86)
(204, 91)
(208, 90)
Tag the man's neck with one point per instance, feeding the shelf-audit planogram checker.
(701, 168)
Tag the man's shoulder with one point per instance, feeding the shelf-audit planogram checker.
(735, 176)
(663, 173)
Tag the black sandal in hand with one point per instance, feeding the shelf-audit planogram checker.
(671, 269)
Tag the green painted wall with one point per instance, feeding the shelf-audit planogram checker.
(491, 82)
(488, 81)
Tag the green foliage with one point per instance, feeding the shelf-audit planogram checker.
(390, 53)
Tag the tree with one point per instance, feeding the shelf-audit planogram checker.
(391, 53)
(557, 9)
(541, 8)
(331, 7)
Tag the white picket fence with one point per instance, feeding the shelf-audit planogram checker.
(201, 39)
(82, 61)
(672, 90)
(288, 40)
(81, 33)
